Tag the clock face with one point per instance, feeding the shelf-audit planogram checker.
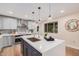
(72, 25)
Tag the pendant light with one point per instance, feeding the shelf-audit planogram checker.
(33, 19)
(33, 14)
(50, 16)
(39, 8)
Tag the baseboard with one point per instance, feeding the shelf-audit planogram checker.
(72, 46)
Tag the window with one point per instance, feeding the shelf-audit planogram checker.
(45, 27)
(51, 27)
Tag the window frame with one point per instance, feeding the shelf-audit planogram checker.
(54, 28)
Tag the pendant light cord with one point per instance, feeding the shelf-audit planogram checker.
(39, 12)
(49, 9)
(39, 18)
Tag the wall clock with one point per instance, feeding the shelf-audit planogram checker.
(72, 25)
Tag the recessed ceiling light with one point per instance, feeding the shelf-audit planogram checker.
(10, 12)
(61, 11)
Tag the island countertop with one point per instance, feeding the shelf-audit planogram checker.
(42, 45)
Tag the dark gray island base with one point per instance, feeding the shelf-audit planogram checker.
(28, 50)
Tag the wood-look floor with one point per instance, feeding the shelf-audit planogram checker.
(72, 52)
(16, 51)
(12, 51)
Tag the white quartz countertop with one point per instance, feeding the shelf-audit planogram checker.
(42, 45)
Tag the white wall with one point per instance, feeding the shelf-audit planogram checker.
(71, 38)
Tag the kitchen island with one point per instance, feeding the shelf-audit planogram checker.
(42, 47)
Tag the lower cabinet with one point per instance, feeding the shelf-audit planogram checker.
(28, 50)
(25, 50)
(7, 41)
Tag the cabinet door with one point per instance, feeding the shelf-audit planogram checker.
(11, 40)
(25, 51)
(5, 41)
(24, 47)
(34, 52)
(28, 50)
(13, 24)
(9, 23)
(8, 40)
(1, 23)
(1, 42)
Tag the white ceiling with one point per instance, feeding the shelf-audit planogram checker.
(22, 9)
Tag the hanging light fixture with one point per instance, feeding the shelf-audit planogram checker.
(39, 8)
(33, 14)
(50, 16)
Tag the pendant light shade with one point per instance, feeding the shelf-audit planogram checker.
(49, 15)
(39, 7)
(33, 12)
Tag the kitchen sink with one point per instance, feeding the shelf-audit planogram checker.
(33, 39)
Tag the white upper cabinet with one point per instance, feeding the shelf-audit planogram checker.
(1, 23)
(8, 23)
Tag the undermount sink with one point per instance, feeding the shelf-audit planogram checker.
(33, 39)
